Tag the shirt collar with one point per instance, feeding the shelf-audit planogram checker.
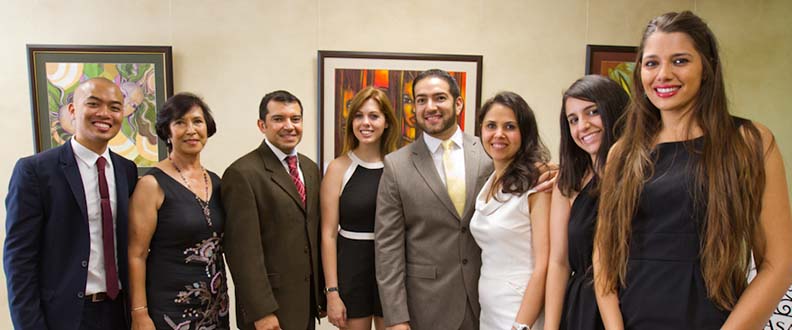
(279, 153)
(433, 143)
(86, 155)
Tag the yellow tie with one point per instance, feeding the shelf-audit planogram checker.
(454, 184)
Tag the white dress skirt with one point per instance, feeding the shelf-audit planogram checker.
(502, 228)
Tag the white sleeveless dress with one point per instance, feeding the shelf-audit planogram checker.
(502, 228)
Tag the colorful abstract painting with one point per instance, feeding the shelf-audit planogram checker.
(397, 84)
(343, 73)
(621, 72)
(143, 73)
(614, 62)
(137, 139)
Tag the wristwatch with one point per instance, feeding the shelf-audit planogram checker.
(331, 289)
(519, 326)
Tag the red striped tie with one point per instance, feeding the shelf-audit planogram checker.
(108, 235)
(295, 176)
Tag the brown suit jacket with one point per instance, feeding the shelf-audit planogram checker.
(427, 261)
(271, 240)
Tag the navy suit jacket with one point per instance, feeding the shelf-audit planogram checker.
(47, 242)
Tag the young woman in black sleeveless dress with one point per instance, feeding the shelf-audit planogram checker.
(689, 194)
(349, 199)
(177, 274)
(590, 113)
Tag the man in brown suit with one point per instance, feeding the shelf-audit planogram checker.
(271, 198)
(427, 261)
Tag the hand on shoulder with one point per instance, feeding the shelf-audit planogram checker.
(548, 177)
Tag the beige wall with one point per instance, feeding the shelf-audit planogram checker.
(233, 52)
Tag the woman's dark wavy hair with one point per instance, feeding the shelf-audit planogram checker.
(528, 163)
(611, 100)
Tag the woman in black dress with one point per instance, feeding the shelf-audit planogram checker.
(591, 110)
(689, 191)
(349, 200)
(176, 270)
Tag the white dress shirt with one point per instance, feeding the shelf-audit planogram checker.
(86, 162)
(457, 154)
(282, 156)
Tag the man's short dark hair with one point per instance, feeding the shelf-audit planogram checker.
(277, 96)
(442, 74)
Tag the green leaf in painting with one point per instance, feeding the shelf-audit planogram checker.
(93, 69)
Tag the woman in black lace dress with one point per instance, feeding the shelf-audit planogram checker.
(177, 273)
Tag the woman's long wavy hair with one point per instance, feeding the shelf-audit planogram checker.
(390, 136)
(524, 170)
(575, 163)
(729, 176)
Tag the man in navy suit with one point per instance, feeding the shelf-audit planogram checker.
(65, 251)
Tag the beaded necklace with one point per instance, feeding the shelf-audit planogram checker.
(204, 204)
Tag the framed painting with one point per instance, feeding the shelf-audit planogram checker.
(615, 62)
(144, 74)
(344, 73)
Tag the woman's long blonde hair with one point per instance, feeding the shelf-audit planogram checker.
(729, 177)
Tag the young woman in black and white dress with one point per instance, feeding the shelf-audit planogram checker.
(349, 199)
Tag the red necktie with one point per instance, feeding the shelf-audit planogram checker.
(108, 235)
(295, 176)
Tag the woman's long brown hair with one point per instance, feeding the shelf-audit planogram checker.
(390, 136)
(729, 177)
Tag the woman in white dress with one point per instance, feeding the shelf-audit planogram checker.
(511, 220)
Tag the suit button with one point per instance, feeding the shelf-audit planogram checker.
(464, 261)
(84, 263)
(80, 295)
(307, 277)
(464, 230)
(305, 249)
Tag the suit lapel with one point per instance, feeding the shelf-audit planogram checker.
(71, 172)
(472, 168)
(122, 186)
(279, 175)
(424, 165)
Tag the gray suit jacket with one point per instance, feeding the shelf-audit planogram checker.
(271, 240)
(427, 261)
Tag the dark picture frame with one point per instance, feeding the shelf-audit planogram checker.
(614, 62)
(144, 74)
(344, 73)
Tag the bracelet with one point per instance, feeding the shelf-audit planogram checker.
(139, 308)
(331, 289)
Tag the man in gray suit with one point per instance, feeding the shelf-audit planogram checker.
(427, 261)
